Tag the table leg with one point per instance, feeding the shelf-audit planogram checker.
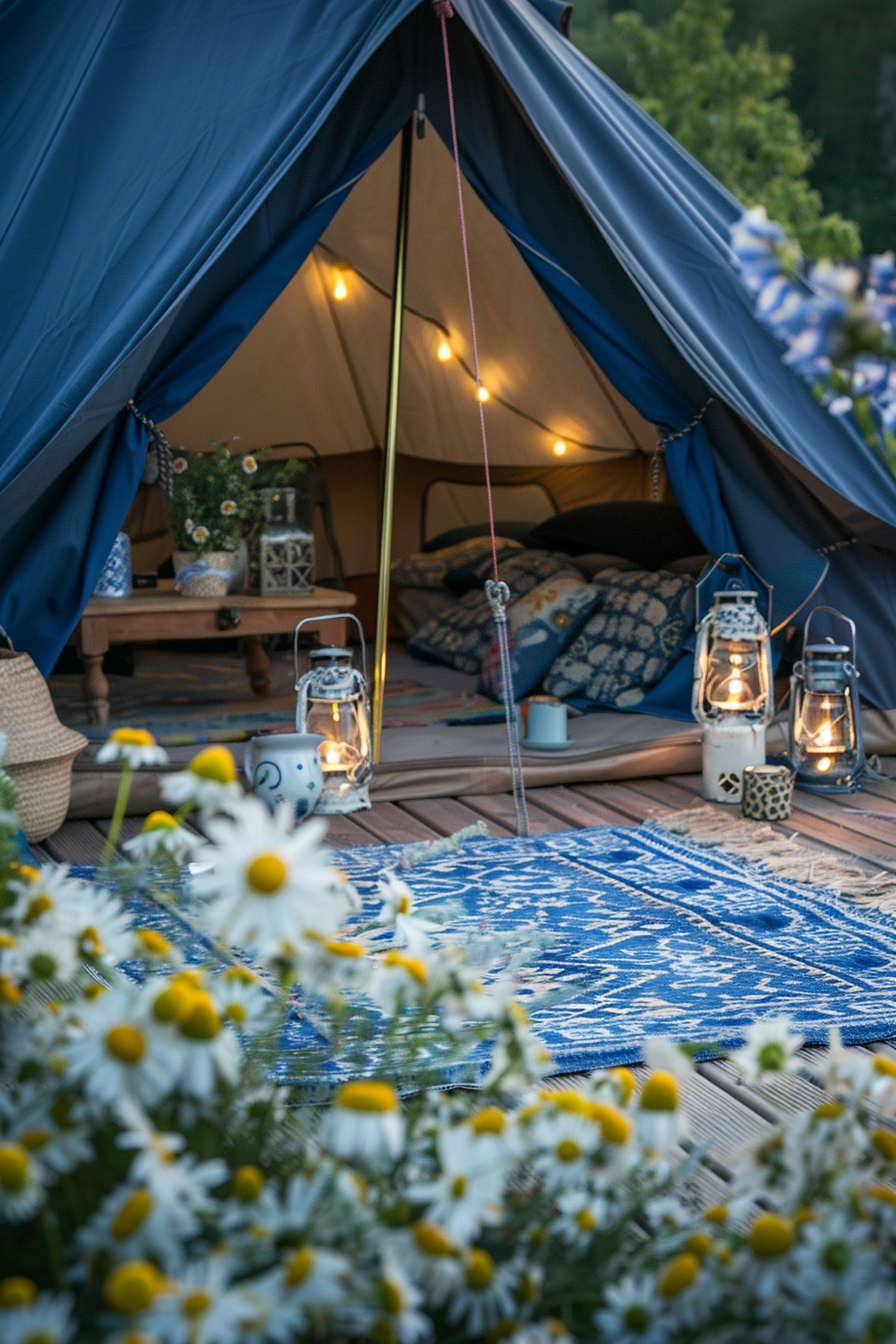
(258, 665)
(96, 688)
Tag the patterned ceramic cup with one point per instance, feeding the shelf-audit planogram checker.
(115, 579)
(768, 792)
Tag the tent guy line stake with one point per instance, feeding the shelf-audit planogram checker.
(496, 590)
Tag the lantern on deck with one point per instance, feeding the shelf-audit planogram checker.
(733, 693)
(332, 700)
(826, 749)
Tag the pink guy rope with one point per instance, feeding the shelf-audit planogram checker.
(497, 592)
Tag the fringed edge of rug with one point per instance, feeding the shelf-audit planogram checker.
(781, 856)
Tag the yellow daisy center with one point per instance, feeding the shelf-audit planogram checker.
(34, 1139)
(17, 1291)
(568, 1100)
(248, 1183)
(134, 1211)
(91, 944)
(415, 967)
(266, 874)
(14, 1164)
(214, 763)
(153, 941)
(236, 1012)
(9, 990)
(882, 1193)
(480, 1269)
(614, 1126)
(241, 975)
(829, 1110)
(196, 1302)
(585, 1220)
(770, 1236)
(884, 1141)
(492, 1120)
(132, 737)
(367, 1097)
(626, 1082)
(679, 1274)
(700, 1244)
(660, 1092)
(160, 821)
(126, 1043)
(716, 1213)
(431, 1239)
(458, 1187)
(172, 1004)
(7, 939)
(351, 951)
(37, 907)
(885, 1066)
(567, 1150)
(201, 1021)
(132, 1286)
(298, 1267)
(390, 1296)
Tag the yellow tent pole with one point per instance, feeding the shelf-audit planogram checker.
(382, 610)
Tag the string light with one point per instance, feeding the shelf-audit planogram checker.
(340, 291)
(482, 393)
(444, 352)
(559, 449)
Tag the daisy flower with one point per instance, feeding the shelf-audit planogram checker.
(158, 1165)
(400, 980)
(432, 1259)
(242, 1000)
(659, 1122)
(134, 746)
(486, 1296)
(834, 1258)
(580, 1213)
(329, 966)
(270, 882)
(179, 465)
(209, 782)
(161, 835)
(872, 1315)
(98, 924)
(53, 1131)
(45, 1320)
(565, 1144)
(200, 535)
(632, 1313)
(364, 1123)
(311, 1280)
(228, 507)
(154, 949)
(466, 1194)
(399, 1299)
(132, 1223)
(249, 465)
(771, 1047)
(45, 954)
(115, 1055)
(201, 1047)
(202, 1309)
(22, 1183)
(769, 1262)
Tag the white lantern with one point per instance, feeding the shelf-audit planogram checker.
(332, 700)
(733, 694)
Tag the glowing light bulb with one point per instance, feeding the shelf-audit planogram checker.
(444, 352)
(482, 393)
(736, 686)
(340, 291)
(736, 660)
(335, 712)
(823, 764)
(559, 448)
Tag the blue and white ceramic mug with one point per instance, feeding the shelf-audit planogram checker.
(115, 580)
(286, 766)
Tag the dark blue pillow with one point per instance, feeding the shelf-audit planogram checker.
(540, 625)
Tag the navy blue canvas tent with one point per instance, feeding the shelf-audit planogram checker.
(170, 166)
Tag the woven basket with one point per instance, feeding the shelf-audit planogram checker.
(39, 749)
(205, 585)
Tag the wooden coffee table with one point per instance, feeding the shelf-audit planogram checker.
(156, 614)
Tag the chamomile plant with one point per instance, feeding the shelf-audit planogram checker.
(224, 1120)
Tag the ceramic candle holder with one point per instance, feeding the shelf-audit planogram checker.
(546, 725)
(768, 792)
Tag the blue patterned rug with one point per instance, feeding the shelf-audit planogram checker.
(636, 933)
(651, 935)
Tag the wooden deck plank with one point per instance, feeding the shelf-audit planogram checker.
(574, 809)
(720, 1122)
(78, 842)
(627, 801)
(344, 833)
(447, 815)
(388, 823)
(499, 807)
(130, 827)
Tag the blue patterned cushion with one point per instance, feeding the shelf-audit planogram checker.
(540, 625)
(630, 643)
(459, 636)
(462, 636)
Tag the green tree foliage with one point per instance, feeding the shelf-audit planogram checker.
(726, 106)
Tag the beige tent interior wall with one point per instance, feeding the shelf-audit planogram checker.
(315, 368)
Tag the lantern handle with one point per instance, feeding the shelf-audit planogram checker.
(318, 620)
(838, 615)
(733, 555)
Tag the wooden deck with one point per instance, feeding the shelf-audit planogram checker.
(724, 1113)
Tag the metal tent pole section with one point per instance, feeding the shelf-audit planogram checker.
(382, 610)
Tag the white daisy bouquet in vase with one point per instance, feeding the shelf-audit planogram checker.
(212, 505)
(230, 1114)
